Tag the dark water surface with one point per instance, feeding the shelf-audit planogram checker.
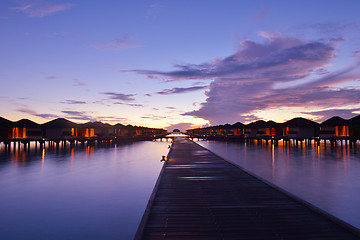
(327, 178)
(81, 193)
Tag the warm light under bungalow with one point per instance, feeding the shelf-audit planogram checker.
(334, 127)
(86, 130)
(99, 129)
(60, 128)
(301, 128)
(25, 128)
(119, 130)
(238, 129)
(260, 128)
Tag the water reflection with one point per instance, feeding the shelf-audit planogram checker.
(79, 192)
(325, 176)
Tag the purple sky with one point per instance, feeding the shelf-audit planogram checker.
(179, 63)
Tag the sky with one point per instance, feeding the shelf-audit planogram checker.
(179, 64)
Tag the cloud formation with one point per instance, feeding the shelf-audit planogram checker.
(326, 114)
(34, 113)
(120, 96)
(41, 8)
(73, 102)
(116, 44)
(78, 83)
(79, 115)
(279, 72)
(181, 90)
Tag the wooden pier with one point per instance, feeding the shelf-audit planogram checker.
(199, 195)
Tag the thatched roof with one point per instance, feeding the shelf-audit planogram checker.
(98, 125)
(258, 124)
(238, 125)
(119, 125)
(26, 123)
(59, 123)
(300, 122)
(4, 123)
(263, 124)
(354, 121)
(334, 121)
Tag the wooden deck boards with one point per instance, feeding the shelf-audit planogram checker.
(201, 196)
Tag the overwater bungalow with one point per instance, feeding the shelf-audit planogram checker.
(60, 128)
(334, 127)
(199, 131)
(147, 132)
(120, 130)
(263, 129)
(86, 130)
(301, 128)
(97, 129)
(238, 129)
(354, 127)
(153, 131)
(227, 130)
(5, 129)
(26, 129)
(254, 129)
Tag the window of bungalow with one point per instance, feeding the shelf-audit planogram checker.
(268, 131)
(287, 131)
(138, 132)
(273, 131)
(73, 132)
(19, 132)
(342, 131)
(92, 132)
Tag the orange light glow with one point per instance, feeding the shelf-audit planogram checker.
(72, 153)
(43, 158)
(273, 158)
(342, 131)
(19, 132)
(73, 132)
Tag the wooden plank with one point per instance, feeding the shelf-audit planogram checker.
(199, 195)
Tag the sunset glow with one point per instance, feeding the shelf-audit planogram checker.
(179, 64)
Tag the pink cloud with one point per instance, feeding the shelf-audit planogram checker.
(280, 72)
(41, 8)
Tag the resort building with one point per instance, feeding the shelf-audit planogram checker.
(26, 129)
(5, 129)
(263, 129)
(60, 128)
(354, 127)
(300, 128)
(334, 127)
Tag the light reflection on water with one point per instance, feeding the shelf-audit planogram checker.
(328, 178)
(77, 193)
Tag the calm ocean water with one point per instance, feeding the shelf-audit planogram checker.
(82, 193)
(101, 193)
(327, 178)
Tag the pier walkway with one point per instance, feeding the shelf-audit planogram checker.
(199, 195)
